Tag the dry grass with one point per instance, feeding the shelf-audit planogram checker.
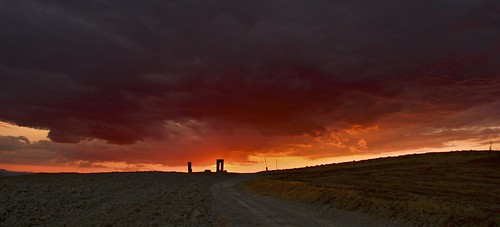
(450, 189)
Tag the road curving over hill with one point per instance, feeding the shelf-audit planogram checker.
(233, 206)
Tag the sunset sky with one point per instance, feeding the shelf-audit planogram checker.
(92, 86)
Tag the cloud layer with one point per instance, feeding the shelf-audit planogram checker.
(249, 77)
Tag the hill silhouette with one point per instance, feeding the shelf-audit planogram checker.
(452, 188)
(6, 173)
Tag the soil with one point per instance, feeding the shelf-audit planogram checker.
(153, 199)
(111, 199)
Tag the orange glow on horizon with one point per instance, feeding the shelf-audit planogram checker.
(259, 165)
(294, 154)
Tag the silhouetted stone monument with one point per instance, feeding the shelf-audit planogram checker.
(190, 170)
(220, 165)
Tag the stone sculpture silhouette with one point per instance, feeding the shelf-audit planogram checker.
(220, 165)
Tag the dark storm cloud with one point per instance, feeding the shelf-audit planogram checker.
(118, 70)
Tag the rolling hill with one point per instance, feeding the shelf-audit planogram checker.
(452, 188)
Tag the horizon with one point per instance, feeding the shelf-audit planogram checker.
(122, 86)
(269, 170)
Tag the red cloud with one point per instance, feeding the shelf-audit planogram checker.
(171, 82)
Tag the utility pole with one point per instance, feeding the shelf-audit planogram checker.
(276, 164)
(265, 160)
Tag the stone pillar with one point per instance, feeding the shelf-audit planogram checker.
(190, 170)
(220, 165)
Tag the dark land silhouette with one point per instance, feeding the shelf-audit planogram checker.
(454, 188)
(6, 173)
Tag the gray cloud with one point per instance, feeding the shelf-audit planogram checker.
(117, 70)
(13, 142)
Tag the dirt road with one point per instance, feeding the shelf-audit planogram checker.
(236, 207)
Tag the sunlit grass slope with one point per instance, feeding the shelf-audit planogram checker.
(454, 188)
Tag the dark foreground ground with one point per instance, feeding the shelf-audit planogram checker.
(457, 189)
(118, 199)
(153, 199)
